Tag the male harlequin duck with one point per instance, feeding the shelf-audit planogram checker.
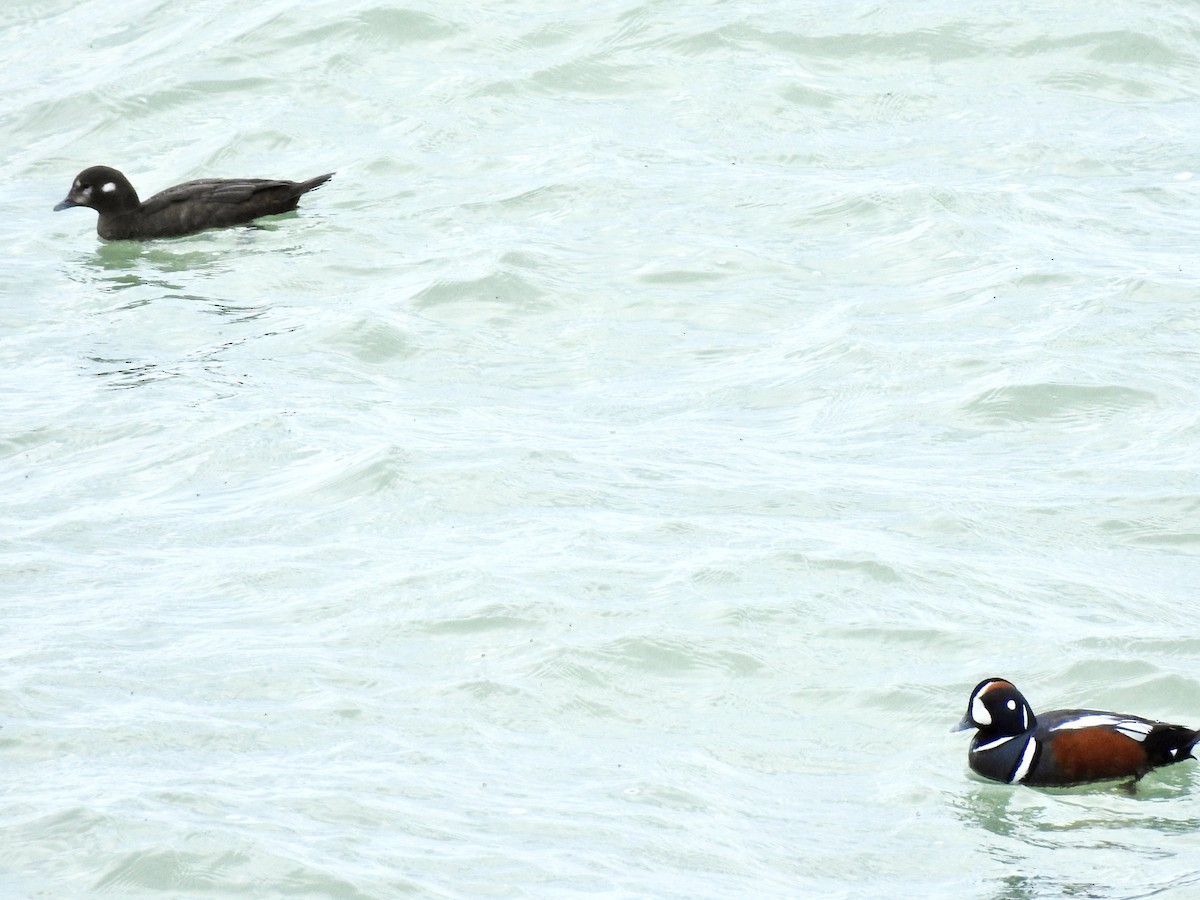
(183, 209)
(1067, 746)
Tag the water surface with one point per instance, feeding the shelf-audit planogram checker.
(615, 479)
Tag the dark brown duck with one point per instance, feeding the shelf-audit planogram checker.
(183, 209)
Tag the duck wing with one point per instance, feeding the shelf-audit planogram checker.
(220, 202)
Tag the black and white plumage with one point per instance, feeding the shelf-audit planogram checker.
(1066, 746)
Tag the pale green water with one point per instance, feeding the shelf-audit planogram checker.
(614, 481)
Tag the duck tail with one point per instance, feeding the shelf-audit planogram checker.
(312, 183)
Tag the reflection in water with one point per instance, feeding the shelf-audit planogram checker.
(1026, 824)
(127, 373)
(1043, 887)
(125, 255)
(144, 275)
(122, 266)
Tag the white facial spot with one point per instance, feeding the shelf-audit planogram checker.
(109, 187)
(1012, 704)
(979, 712)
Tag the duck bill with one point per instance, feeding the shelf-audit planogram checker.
(66, 204)
(964, 725)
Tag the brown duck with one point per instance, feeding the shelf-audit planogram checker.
(183, 209)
